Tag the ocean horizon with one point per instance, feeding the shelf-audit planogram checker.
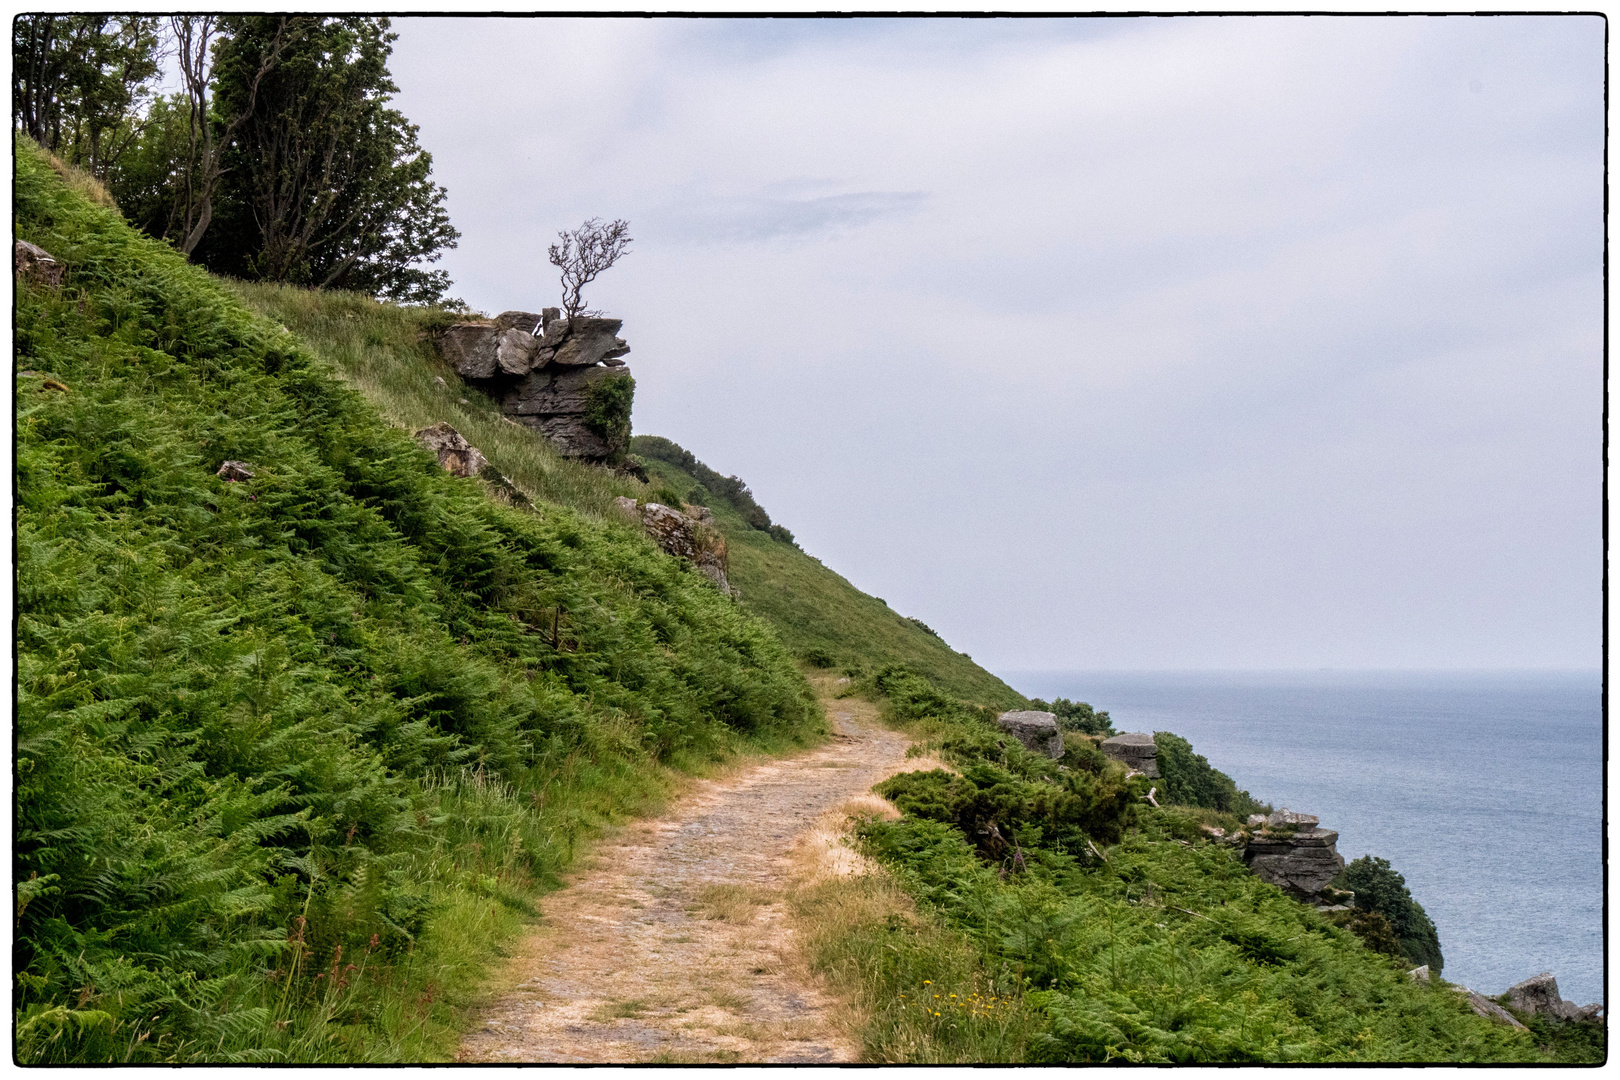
(1484, 788)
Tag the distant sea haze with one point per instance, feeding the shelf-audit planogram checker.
(1484, 789)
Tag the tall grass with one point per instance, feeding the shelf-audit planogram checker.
(295, 754)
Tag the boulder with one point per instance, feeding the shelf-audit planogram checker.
(456, 454)
(1290, 852)
(530, 322)
(1484, 1006)
(569, 436)
(1038, 731)
(34, 263)
(1419, 974)
(514, 351)
(687, 538)
(236, 471)
(1539, 994)
(469, 348)
(1136, 750)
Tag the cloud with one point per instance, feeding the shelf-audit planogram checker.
(757, 219)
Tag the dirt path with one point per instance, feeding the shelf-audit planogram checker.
(672, 944)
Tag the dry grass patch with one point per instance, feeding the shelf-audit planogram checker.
(730, 903)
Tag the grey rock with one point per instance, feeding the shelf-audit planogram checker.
(590, 340)
(34, 263)
(1484, 1006)
(1038, 731)
(552, 391)
(1419, 974)
(438, 380)
(687, 538)
(530, 322)
(469, 348)
(1539, 994)
(626, 505)
(1297, 858)
(456, 454)
(514, 351)
(1136, 750)
(568, 435)
(236, 471)
(1589, 1014)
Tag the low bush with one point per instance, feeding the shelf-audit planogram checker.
(1379, 889)
(1188, 779)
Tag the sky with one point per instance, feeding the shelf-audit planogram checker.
(1132, 343)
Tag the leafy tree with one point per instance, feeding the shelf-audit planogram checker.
(1380, 889)
(1188, 779)
(323, 185)
(582, 255)
(79, 82)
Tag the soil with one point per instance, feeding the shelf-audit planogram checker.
(675, 944)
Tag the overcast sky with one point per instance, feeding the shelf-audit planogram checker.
(1121, 343)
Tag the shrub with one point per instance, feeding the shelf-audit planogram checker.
(1076, 716)
(1380, 889)
(1188, 779)
(607, 413)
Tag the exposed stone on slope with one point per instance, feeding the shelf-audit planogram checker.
(542, 368)
(1490, 1010)
(1289, 851)
(236, 471)
(1038, 731)
(684, 535)
(1136, 750)
(456, 454)
(36, 264)
(1539, 994)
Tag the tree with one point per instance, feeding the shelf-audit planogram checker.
(584, 254)
(324, 185)
(212, 127)
(79, 83)
(1380, 889)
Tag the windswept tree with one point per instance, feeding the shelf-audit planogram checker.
(582, 255)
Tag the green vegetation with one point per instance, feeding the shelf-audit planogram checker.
(607, 413)
(823, 618)
(1381, 891)
(1113, 931)
(1190, 780)
(1076, 716)
(295, 754)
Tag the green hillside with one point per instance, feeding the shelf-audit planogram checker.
(296, 753)
(818, 614)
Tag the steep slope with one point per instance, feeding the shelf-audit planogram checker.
(818, 613)
(294, 753)
(383, 351)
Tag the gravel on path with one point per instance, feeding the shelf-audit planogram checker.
(673, 944)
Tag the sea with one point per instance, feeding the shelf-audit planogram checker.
(1484, 790)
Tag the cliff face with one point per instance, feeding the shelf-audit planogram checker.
(555, 375)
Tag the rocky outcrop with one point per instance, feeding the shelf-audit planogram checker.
(456, 454)
(545, 371)
(1490, 1010)
(1136, 750)
(236, 471)
(1539, 995)
(1289, 851)
(1038, 731)
(34, 263)
(688, 533)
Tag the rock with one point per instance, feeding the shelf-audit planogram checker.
(35, 264)
(589, 341)
(1539, 994)
(1589, 1014)
(438, 380)
(1484, 1006)
(470, 348)
(698, 513)
(456, 454)
(1136, 750)
(236, 471)
(1297, 857)
(514, 351)
(1419, 974)
(627, 505)
(1038, 731)
(529, 322)
(633, 466)
(569, 436)
(552, 391)
(687, 538)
